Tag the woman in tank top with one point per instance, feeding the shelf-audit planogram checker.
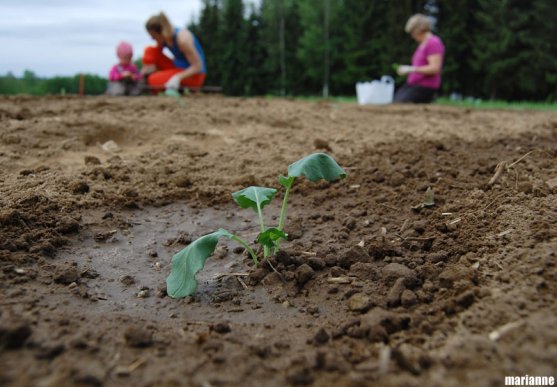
(186, 69)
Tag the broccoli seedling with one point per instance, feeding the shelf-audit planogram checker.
(185, 264)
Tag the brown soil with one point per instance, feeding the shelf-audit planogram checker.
(372, 290)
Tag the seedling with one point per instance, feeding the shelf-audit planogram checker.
(185, 264)
(428, 202)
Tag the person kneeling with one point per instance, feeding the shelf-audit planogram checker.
(424, 75)
(187, 69)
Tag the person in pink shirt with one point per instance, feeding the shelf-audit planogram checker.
(424, 75)
(124, 77)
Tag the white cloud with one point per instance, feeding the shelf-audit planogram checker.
(63, 37)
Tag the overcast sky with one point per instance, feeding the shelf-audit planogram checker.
(65, 37)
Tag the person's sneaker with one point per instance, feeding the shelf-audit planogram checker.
(172, 93)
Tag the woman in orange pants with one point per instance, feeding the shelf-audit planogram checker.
(188, 67)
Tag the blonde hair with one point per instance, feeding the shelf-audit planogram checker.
(160, 24)
(418, 22)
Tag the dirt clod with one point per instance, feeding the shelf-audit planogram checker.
(222, 327)
(79, 188)
(91, 160)
(257, 275)
(138, 337)
(67, 226)
(66, 275)
(304, 273)
(408, 298)
(393, 297)
(316, 263)
(391, 322)
(353, 255)
(302, 377)
(321, 337)
(127, 280)
(466, 299)
(320, 143)
(14, 333)
(50, 352)
(394, 271)
(359, 302)
(455, 273)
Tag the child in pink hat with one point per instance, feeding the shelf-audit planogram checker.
(124, 77)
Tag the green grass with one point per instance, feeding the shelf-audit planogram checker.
(498, 104)
(315, 98)
(443, 101)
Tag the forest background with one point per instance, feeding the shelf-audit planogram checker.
(495, 49)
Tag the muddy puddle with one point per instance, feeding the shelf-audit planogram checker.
(127, 266)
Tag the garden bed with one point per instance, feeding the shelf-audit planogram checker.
(372, 288)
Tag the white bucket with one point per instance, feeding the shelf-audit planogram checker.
(376, 92)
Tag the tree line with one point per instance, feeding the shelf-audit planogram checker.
(30, 83)
(495, 49)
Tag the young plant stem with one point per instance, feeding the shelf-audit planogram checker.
(283, 213)
(261, 224)
(275, 270)
(246, 246)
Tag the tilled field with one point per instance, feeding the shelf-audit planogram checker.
(371, 289)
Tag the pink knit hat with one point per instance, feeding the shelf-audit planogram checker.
(124, 49)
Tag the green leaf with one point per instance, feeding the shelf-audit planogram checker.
(251, 196)
(286, 181)
(185, 264)
(317, 166)
(269, 237)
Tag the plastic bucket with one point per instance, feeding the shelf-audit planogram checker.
(378, 92)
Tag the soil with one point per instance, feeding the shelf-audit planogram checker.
(374, 287)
